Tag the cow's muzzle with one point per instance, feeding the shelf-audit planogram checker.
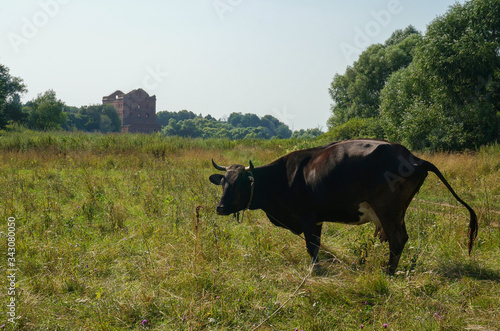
(221, 210)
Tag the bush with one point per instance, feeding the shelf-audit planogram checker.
(357, 128)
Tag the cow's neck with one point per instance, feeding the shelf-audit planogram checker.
(269, 187)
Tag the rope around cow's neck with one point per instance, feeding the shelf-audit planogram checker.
(237, 214)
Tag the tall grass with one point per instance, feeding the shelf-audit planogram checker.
(108, 238)
(26, 140)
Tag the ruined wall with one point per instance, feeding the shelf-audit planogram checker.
(136, 109)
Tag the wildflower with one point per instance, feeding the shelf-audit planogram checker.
(384, 325)
(361, 326)
(436, 315)
(144, 322)
(95, 269)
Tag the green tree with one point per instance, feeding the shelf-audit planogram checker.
(163, 117)
(276, 127)
(250, 121)
(358, 128)
(46, 112)
(235, 119)
(115, 123)
(238, 126)
(172, 129)
(356, 93)
(11, 89)
(191, 128)
(90, 118)
(94, 118)
(73, 122)
(448, 97)
(283, 131)
(307, 134)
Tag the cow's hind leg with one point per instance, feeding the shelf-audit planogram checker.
(397, 237)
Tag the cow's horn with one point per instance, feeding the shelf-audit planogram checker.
(250, 167)
(218, 167)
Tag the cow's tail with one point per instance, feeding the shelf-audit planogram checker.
(473, 226)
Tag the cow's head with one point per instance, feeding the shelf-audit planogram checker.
(237, 187)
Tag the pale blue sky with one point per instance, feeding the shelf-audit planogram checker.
(208, 56)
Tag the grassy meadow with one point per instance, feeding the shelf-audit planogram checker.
(120, 232)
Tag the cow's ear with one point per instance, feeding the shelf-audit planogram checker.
(216, 179)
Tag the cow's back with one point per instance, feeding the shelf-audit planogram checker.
(351, 161)
(340, 176)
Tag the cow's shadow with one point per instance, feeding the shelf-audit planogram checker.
(472, 269)
(451, 270)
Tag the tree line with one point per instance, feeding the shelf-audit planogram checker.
(237, 126)
(434, 91)
(47, 112)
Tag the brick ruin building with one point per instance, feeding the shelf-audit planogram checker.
(136, 109)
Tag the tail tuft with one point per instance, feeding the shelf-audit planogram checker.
(473, 228)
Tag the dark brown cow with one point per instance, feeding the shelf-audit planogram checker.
(353, 182)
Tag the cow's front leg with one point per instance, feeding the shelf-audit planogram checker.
(312, 233)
